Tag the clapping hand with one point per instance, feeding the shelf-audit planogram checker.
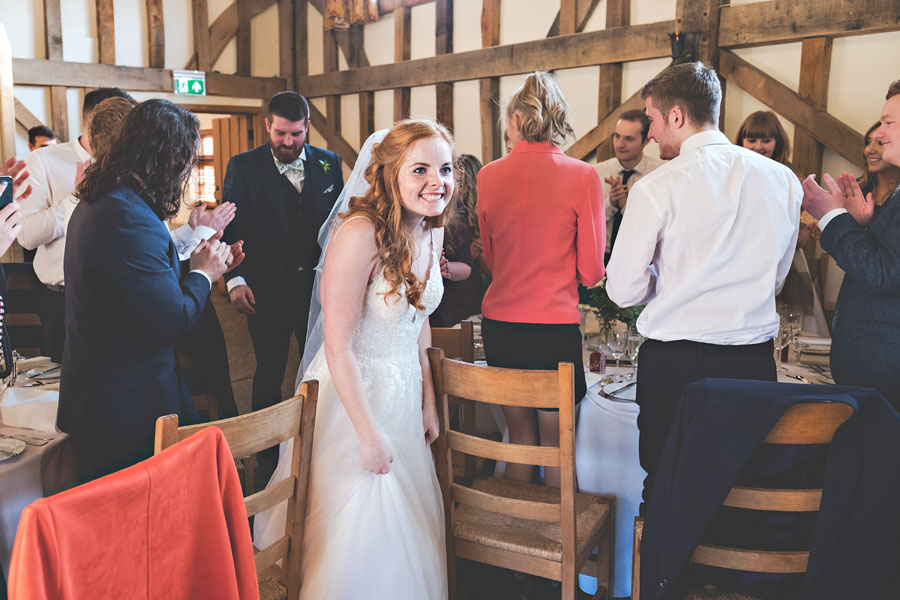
(618, 192)
(216, 219)
(15, 168)
(844, 193)
(9, 225)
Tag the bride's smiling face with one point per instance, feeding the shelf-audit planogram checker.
(425, 179)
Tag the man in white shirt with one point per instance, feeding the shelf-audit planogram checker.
(706, 244)
(53, 171)
(625, 169)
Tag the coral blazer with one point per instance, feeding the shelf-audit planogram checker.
(172, 526)
(543, 230)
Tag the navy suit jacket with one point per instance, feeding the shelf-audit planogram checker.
(855, 545)
(865, 350)
(254, 184)
(126, 309)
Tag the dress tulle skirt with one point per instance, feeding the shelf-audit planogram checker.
(368, 536)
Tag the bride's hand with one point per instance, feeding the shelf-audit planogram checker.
(430, 423)
(375, 455)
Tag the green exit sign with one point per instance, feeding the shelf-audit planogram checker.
(190, 83)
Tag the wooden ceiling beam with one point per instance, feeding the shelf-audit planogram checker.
(27, 71)
(106, 32)
(619, 44)
(780, 21)
(156, 33)
(828, 130)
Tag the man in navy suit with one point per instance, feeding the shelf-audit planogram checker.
(284, 191)
(864, 240)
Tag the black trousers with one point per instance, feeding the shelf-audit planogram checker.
(667, 368)
(205, 344)
(53, 323)
(282, 311)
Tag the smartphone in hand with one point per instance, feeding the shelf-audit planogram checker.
(6, 196)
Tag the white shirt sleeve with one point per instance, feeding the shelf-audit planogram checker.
(186, 239)
(42, 220)
(235, 282)
(631, 278)
(208, 278)
(826, 219)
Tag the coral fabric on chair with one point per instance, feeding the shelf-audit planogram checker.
(172, 526)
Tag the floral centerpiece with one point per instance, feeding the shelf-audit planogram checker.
(608, 311)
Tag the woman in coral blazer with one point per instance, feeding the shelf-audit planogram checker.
(543, 229)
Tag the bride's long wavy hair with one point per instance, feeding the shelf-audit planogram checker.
(382, 205)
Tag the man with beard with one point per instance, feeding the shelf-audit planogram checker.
(284, 191)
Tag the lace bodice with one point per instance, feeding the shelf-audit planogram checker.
(389, 328)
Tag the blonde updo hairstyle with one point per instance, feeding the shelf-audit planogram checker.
(382, 204)
(544, 111)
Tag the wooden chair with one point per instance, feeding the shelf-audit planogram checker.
(456, 342)
(459, 342)
(521, 526)
(807, 423)
(248, 434)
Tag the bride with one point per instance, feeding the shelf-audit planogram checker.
(374, 525)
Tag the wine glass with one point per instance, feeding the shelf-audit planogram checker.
(616, 342)
(634, 345)
(782, 341)
(795, 322)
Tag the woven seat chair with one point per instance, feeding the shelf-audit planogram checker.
(806, 423)
(248, 434)
(529, 528)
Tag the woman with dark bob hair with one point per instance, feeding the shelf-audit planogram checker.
(126, 304)
(762, 132)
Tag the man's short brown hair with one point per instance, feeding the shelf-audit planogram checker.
(893, 90)
(693, 87)
(638, 116)
(105, 122)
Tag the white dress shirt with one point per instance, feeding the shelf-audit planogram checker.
(52, 177)
(613, 168)
(296, 177)
(706, 243)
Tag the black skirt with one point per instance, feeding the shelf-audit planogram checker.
(536, 346)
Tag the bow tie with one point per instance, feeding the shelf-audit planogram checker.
(297, 165)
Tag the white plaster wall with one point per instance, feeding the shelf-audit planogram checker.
(861, 66)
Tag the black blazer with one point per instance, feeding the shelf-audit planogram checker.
(254, 184)
(856, 541)
(126, 309)
(865, 350)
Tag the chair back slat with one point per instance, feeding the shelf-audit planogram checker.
(271, 554)
(809, 423)
(530, 389)
(520, 509)
(256, 431)
(456, 342)
(269, 497)
(758, 561)
(515, 453)
(804, 423)
(772, 499)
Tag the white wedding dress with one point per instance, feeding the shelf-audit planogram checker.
(372, 536)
